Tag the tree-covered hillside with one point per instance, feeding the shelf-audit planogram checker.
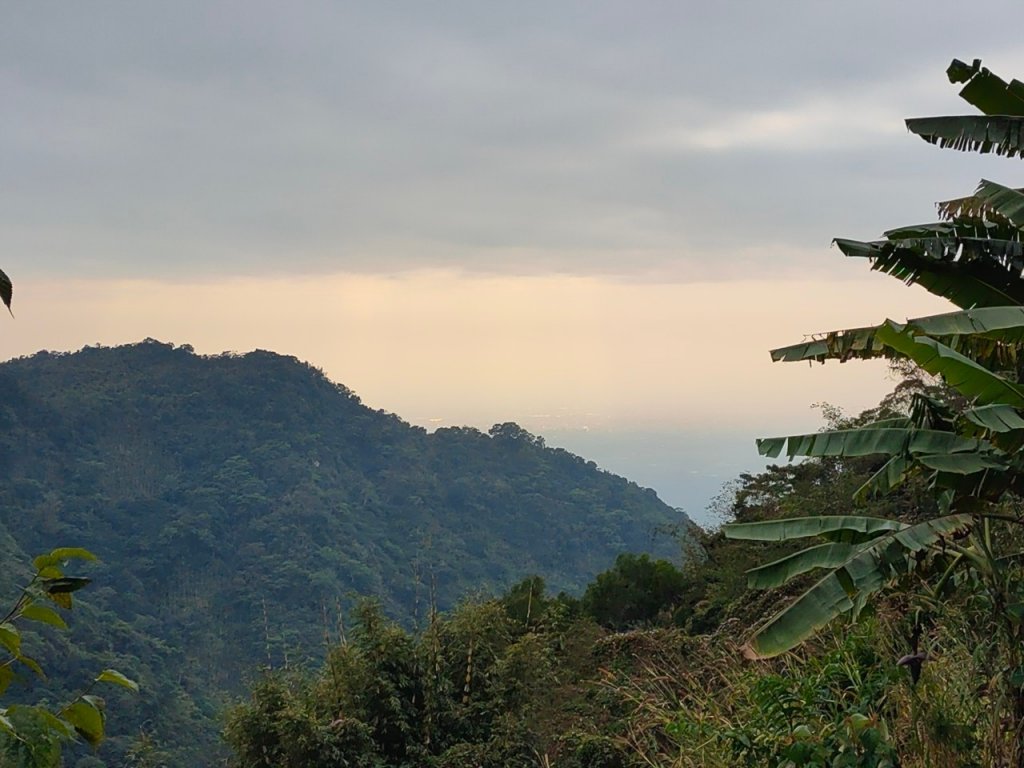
(236, 502)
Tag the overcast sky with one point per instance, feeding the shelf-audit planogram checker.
(569, 214)
(689, 138)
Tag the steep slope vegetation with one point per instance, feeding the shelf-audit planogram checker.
(237, 501)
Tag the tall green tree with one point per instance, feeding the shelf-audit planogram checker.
(966, 445)
(634, 592)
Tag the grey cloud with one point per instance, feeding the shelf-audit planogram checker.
(184, 138)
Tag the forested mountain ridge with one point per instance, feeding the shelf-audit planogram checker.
(235, 500)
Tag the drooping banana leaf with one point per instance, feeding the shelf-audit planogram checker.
(1001, 425)
(777, 573)
(835, 345)
(963, 228)
(998, 323)
(861, 528)
(1006, 202)
(980, 282)
(995, 351)
(963, 463)
(985, 90)
(932, 249)
(995, 418)
(995, 333)
(959, 372)
(990, 336)
(1004, 251)
(969, 207)
(868, 441)
(868, 570)
(1001, 134)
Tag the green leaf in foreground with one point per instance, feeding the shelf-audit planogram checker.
(60, 555)
(10, 638)
(86, 717)
(115, 677)
(6, 291)
(36, 612)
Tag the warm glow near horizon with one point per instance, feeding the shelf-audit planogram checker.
(552, 352)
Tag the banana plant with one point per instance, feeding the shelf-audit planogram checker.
(969, 451)
(861, 555)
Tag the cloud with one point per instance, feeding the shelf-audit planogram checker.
(636, 139)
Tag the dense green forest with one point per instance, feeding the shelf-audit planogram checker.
(237, 503)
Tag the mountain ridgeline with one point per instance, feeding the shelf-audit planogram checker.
(238, 501)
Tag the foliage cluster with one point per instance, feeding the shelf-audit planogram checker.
(36, 735)
(489, 684)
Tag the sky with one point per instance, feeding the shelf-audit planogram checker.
(592, 218)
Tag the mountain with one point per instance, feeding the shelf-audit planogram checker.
(237, 502)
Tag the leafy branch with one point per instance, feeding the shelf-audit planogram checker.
(84, 714)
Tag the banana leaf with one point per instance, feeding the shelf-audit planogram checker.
(1006, 202)
(969, 207)
(996, 351)
(979, 282)
(962, 228)
(960, 372)
(860, 526)
(869, 441)
(998, 323)
(995, 335)
(1001, 134)
(1007, 253)
(963, 463)
(868, 570)
(777, 573)
(995, 418)
(835, 345)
